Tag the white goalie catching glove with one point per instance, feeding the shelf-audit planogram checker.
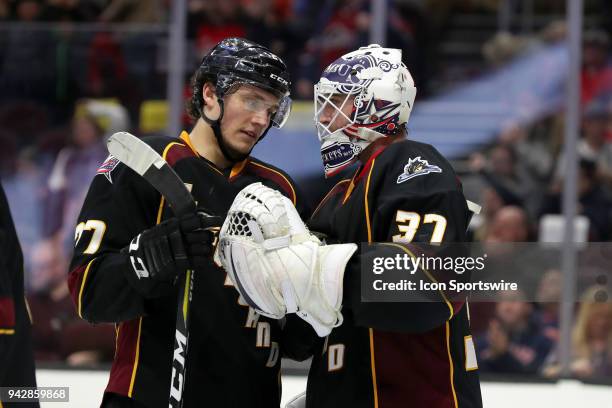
(277, 265)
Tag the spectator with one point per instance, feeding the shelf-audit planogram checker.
(24, 188)
(223, 18)
(339, 24)
(72, 172)
(493, 196)
(591, 339)
(108, 72)
(70, 10)
(503, 47)
(264, 25)
(548, 296)
(59, 334)
(24, 53)
(593, 200)
(593, 146)
(491, 202)
(136, 50)
(513, 342)
(502, 225)
(132, 11)
(346, 25)
(536, 148)
(510, 224)
(503, 168)
(106, 68)
(5, 10)
(596, 75)
(29, 10)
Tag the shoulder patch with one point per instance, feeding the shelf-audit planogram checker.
(417, 167)
(107, 167)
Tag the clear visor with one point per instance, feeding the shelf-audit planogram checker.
(277, 113)
(334, 103)
(282, 113)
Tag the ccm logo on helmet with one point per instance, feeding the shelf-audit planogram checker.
(279, 79)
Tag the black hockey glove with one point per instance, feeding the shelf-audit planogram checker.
(159, 254)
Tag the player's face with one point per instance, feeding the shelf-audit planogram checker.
(248, 112)
(329, 115)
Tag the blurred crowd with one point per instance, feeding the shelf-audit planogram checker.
(65, 88)
(519, 181)
(126, 63)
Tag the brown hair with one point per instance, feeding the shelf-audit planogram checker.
(196, 103)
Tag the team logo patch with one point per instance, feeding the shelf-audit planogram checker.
(107, 167)
(337, 154)
(417, 167)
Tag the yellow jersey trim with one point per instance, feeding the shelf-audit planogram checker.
(373, 365)
(367, 210)
(80, 306)
(238, 167)
(136, 358)
(450, 362)
(429, 275)
(327, 195)
(187, 139)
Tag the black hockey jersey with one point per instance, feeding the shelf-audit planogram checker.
(17, 367)
(234, 354)
(392, 355)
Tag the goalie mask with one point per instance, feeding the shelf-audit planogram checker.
(362, 96)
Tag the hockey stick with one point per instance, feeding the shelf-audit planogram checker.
(145, 161)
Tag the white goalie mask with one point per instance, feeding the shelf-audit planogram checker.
(362, 96)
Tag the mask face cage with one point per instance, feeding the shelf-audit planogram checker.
(342, 95)
(226, 87)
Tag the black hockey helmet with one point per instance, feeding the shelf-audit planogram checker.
(236, 61)
(240, 60)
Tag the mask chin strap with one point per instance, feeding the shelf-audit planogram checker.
(216, 127)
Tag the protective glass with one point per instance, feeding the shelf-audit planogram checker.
(277, 114)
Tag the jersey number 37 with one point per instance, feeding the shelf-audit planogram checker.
(409, 222)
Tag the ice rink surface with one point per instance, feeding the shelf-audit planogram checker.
(86, 389)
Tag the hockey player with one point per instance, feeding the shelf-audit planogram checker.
(17, 368)
(382, 354)
(240, 90)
